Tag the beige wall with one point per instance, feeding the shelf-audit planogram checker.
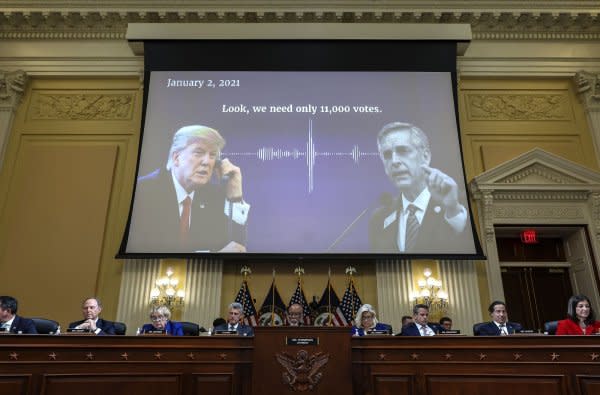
(65, 189)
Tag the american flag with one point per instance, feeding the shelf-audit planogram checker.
(245, 299)
(350, 302)
(298, 297)
(330, 305)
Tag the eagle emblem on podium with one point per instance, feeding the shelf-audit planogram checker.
(302, 372)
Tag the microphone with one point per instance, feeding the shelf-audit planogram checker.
(385, 199)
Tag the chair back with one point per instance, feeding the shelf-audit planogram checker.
(120, 328)
(476, 328)
(190, 328)
(550, 327)
(44, 326)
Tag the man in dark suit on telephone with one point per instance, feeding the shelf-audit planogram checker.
(427, 215)
(181, 209)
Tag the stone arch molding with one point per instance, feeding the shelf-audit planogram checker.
(535, 188)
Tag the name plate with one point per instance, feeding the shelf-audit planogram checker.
(450, 332)
(154, 332)
(225, 332)
(301, 341)
(77, 331)
(378, 332)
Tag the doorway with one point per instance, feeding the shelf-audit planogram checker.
(539, 277)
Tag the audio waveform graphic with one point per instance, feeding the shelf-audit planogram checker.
(310, 154)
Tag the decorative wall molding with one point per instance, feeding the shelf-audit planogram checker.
(522, 107)
(82, 106)
(510, 20)
(536, 188)
(12, 86)
(533, 213)
(588, 88)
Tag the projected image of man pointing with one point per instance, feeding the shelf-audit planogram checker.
(196, 205)
(427, 215)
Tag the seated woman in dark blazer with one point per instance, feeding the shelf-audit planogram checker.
(160, 318)
(580, 318)
(366, 321)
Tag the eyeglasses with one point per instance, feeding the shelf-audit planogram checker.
(159, 318)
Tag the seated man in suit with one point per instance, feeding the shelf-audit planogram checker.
(91, 309)
(499, 326)
(420, 325)
(295, 315)
(10, 321)
(235, 318)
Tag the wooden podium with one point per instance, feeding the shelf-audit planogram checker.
(288, 360)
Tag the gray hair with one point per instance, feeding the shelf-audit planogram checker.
(417, 136)
(98, 302)
(162, 310)
(237, 306)
(365, 308)
(193, 133)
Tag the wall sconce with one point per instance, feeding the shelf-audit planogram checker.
(166, 293)
(430, 293)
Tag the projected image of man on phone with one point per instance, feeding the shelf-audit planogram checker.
(427, 215)
(180, 209)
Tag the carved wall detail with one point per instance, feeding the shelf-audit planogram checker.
(595, 200)
(110, 22)
(541, 171)
(588, 88)
(12, 86)
(518, 213)
(488, 209)
(302, 372)
(542, 196)
(55, 106)
(525, 107)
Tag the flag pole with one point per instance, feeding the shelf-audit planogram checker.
(273, 299)
(329, 323)
(350, 272)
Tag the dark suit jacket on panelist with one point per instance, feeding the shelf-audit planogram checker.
(413, 330)
(22, 325)
(491, 329)
(155, 219)
(106, 327)
(242, 330)
(435, 234)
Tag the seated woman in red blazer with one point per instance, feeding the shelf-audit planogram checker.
(580, 318)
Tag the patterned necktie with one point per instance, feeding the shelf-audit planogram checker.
(412, 228)
(503, 331)
(423, 330)
(184, 220)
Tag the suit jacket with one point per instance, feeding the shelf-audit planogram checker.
(106, 327)
(242, 330)
(22, 325)
(172, 328)
(413, 330)
(491, 329)
(155, 218)
(379, 327)
(435, 234)
(570, 327)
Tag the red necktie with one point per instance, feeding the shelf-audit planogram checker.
(184, 220)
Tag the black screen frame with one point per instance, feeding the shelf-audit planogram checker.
(300, 55)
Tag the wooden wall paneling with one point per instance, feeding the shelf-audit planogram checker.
(114, 384)
(15, 384)
(495, 384)
(587, 384)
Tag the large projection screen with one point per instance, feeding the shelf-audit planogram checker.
(314, 179)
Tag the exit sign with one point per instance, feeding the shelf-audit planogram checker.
(529, 236)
